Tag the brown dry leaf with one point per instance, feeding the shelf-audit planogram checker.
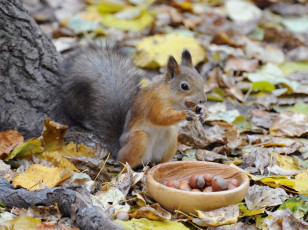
(222, 216)
(53, 135)
(264, 196)
(9, 140)
(234, 140)
(290, 124)
(229, 37)
(37, 176)
(262, 118)
(153, 212)
(258, 157)
(241, 64)
(206, 155)
(284, 219)
(6, 172)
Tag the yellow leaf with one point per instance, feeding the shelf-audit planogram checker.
(53, 135)
(302, 175)
(145, 224)
(300, 183)
(37, 176)
(32, 146)
(221, 216)
(58, 161)
(80, 150)
(23, 222)
(136, 24)
(244, 211)
(153, 51)
(286, 162)
(290, 67)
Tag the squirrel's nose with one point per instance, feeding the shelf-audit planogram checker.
(203, 100)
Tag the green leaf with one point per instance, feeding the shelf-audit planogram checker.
(228, 116)
(109, 7)
(290, 67)
(30, 147)
(300, 108)
(216, 95)
(190, 155)
(272, 74)
(263, 86)
(241, 123)
(2, 205)
(297, 24)
(297, 204)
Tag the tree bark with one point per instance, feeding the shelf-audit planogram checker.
(28, 72)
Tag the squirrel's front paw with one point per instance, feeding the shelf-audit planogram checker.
(202, 111)
(190, 115)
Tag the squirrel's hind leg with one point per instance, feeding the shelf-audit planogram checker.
(134, 149)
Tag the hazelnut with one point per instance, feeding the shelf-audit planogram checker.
(172, 183)
(208, 177)
(208, 189)
(196, 181)
(231, 186)
(219, 184)
(234, 181)
(184, 186)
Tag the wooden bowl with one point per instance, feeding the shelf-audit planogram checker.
(174, 199)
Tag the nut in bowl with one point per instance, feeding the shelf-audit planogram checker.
(173, 198)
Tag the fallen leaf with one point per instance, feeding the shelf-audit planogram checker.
(263, 196)
(286, 162)
(77, 150)
(206, 155)
(53, 135)
(58, 160)
(244, 211)
(31, 146)
(242, 11)
(153, 51)
(113, 197)
(222, 216)
(284, 219)
(241, 64)
(6, 172)
(153, 212)
(228, 116)
(298, 205)
(289, 124)
(23, 222)
(37, 176)
(9, 140)
(142, 224)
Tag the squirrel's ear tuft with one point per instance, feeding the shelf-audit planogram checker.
(172, 67)
(186, 59)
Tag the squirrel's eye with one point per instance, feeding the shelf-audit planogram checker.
(184, 86)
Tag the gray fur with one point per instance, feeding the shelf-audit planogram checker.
(99, 84)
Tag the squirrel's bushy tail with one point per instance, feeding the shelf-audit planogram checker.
(99, 84)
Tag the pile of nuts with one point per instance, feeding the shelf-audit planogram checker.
(204, 183)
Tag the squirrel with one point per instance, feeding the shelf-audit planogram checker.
(101, 92)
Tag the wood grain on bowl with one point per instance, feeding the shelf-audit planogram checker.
(174, 199)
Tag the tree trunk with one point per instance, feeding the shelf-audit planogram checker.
(28, 94)
(28, 71)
